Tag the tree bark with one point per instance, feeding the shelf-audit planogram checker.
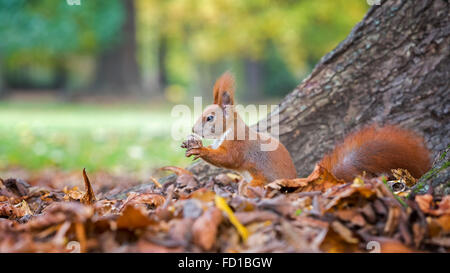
(118, 70)
(392, 68)
(437, 180)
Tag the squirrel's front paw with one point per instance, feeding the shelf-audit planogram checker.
(196, 152)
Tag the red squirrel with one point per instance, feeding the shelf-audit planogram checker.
(237, 146)
(373, 150)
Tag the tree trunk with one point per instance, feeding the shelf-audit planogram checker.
(2, 86)
(437, 180)
(162, 63)
(392, 68)
(254, 78)
(117, 69)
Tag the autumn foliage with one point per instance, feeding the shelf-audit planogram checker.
(314, 214)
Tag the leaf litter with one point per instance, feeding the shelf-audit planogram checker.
(314, 214)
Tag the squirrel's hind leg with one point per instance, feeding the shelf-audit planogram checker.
(252, 189)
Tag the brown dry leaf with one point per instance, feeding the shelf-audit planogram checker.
(145, 246)
(246, 218)
(334, 243)
(181, 229)
(369, 213)
(157, 184)
(15, 188)
(59, 212)
(202, 194)
(319, 180)
(280, 204)
(23, 209)
(51, 229)
(151, 200)
(104, 207)
(424, 202)
(204, 229)
(440, 241)
(133, 217)
(352, 216)
(345, 233)
(427, 205)
(72, 194)
(81, 235)
(341, 196)
(88, 197)
(392, 221)
(419, 233)
(227, 178)
(8, 210)
(177, 170)
(184, 177)
(404, 175)
(444, 222)
(311, 222)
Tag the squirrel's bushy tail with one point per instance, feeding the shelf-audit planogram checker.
(376, 150)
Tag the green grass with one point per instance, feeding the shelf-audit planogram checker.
(73, 136)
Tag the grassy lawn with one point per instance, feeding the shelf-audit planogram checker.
(72, 136)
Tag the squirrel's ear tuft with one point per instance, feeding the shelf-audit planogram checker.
(224, 90)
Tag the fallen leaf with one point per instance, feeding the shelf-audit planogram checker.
(404, 175)
(352, 216)
(392, 221)
(204, 229)
(427, 205)
(319, 180)
(132, 218)
(157, 184)
(12, 187)
(221, 204)
(184, 177)
(151, 200)
(59, 212)
(8, 210)
(344, 232)
(72, 194)
(88, 197)
(202, 194)
(23, 209)
(246, 218)
(181, 229)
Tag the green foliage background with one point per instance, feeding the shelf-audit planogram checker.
(39, 39)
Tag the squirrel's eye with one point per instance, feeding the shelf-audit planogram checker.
(209, 118)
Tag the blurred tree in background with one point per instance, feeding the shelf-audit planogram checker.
(168, 47)
(270, 44)
(42, 41)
